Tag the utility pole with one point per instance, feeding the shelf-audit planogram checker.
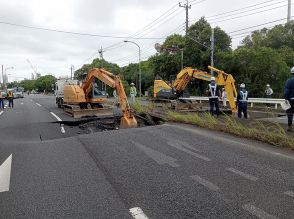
(71, 71)
(182, 58)
(212, 50)
(2, 77)
(289, 11)
(100, 51)
(187, 7)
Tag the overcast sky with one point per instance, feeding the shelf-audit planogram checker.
(54, 53)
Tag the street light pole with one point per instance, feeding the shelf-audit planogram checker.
(6, 77)
(127, 41)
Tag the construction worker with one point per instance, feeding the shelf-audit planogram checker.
(268, 91)
(213, 94)
(242, 100)
(1, 101)
(133, 92)
(10, 99)
(289, 96)
(115, 97)
(224, 97)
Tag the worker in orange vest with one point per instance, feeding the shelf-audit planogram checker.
(1, 101)
(10, 97)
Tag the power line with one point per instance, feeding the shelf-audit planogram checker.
(246, 15)
(251, 6)
(76, 33)
(242, 12)
(256, 25)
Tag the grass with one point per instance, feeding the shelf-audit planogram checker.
(271, 133)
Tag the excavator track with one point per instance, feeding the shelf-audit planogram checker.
(76, 112)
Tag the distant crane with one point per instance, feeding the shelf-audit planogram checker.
(33, 68)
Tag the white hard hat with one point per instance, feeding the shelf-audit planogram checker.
(212, 79)
(242, 85)
(292, 70)
(132, 83)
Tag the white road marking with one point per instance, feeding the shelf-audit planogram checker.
(1, 113)
(258, 212)
(38, 104)
(230, 141)
(21, 103)
(138, 213)
(62, 129)
(290, 193)
(245, 175)
(181, 148)
(53, 114)
(158, 157)
(31, 100)
(205, 183)
(5, 170)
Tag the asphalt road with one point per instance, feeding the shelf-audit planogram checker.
(168, 171)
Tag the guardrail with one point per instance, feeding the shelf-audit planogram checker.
(276, 102)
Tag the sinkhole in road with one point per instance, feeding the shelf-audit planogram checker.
(93, 124)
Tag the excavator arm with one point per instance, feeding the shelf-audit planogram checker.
(187, 74)
(128, 120)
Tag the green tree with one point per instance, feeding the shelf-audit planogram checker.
(197, 49)
(44, 83)
(256, 67)
(96, 63)
(28, 85)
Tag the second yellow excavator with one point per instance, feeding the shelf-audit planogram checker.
(77, 99)
(174, 91)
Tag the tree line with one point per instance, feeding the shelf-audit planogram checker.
(43, 83)
(264, 57)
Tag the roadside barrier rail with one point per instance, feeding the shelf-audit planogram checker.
(274, 101)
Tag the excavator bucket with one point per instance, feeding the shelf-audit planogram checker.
(128, 122)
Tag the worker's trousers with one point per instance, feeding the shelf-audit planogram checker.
(10, 103)
(290, 112)
(242, 108)
(224, 101)
(133, 98)
(213, 102)
(1, 103)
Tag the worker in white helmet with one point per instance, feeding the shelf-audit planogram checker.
(242, 101)
(213, 95)
(289, 96)
(268, 93)
(133, 92)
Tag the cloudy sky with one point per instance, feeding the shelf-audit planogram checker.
(152, 20)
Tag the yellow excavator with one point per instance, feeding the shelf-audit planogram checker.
(162, 90)
(83, 100)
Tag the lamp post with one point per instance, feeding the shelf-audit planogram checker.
(127, 41)
(6, 77)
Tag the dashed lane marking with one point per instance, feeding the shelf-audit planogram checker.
(290, 193)
(53, 114)
(138, 213)
(1, 113)
(62, 129)
(21, 103)
(245, 175)
(188, 151)
(258, 212)
(205, 183)
(38, 104)
(5, 170)
(157, 156)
